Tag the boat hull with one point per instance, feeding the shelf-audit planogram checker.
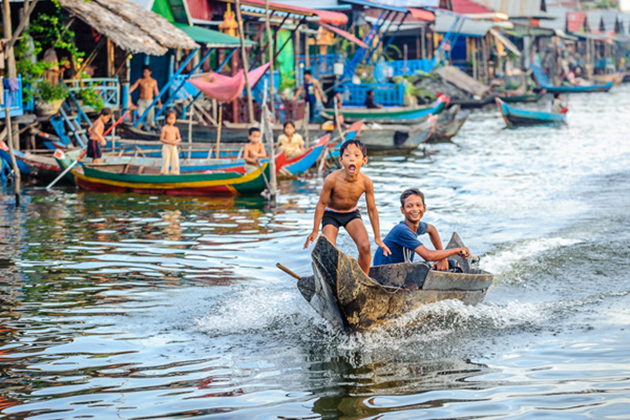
(515, 117)
(388, 115)
(351, 301)
(96, 178)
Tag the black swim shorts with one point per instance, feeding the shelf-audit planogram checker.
(339, 219)
(93, 149)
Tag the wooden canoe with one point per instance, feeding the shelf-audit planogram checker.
(130, 178)
(389, 115)
(396, 139)
(472, 103)
(545, 84)
(297, 166)
(515, 117)
(531, 97)
(448, 128)
(230, 133)
(351, 301)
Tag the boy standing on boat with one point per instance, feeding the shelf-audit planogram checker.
(95, 135)
(170, 138)
(337, 206)
(402, 241)
(148, 90)
(254, 150)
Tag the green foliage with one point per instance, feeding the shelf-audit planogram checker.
(394, 54)
(45, 31)
(49, 92)
(287, 79)
(49, 31)
(91, 98)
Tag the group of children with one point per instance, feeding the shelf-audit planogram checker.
(338, 202)
(169, 137)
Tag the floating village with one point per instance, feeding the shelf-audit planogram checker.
(166, 113)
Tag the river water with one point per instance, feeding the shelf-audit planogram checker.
(138, 307)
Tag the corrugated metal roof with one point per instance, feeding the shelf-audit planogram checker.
(518, 8)
(576, 22)
(465, 7)
(559, 14)
(476, 28)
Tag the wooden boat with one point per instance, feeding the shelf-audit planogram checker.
(449, 124)
(546, 84)
(35, 163)
(472, 103)
(396, 139)
(389, 115)
(515, 117)
(351, 301)
(297, 166)
(230, 132)
(139, 179)
(616, 78)
(529, 97)
(388, 139)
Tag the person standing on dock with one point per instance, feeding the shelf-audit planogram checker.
(313, 92)
(148, 91)
(170, 138)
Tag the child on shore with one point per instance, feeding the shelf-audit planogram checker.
(170, 138)
(95, 135)
(402, 241)
(337, 206)
(254, 150)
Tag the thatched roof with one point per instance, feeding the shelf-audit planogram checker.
(129, 26)
(161, 29)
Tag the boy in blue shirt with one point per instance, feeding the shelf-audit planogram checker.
(403, 241)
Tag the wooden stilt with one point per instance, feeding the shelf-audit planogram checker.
(241, 36)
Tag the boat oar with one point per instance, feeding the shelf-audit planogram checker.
(72, 165)
(262, 171)
(288, 271)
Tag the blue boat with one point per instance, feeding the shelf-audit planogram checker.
(515, 117)
(545, 83)
(300, 164)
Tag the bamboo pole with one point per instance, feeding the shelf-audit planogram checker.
(265, 126)
(219, 131)
(272, 49)
(16, 170)
(307, 110)
(241, 37)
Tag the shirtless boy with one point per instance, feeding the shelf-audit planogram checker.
(148, 90)
(170, 138)
(337, 206)
(95, 134)
(402, 239)
(254, 150)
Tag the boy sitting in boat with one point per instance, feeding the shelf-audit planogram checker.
(337, 206)
(170, 138)
(95, 135)
(402, 241)
(254, 150)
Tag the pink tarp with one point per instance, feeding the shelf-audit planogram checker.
(227, 88)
